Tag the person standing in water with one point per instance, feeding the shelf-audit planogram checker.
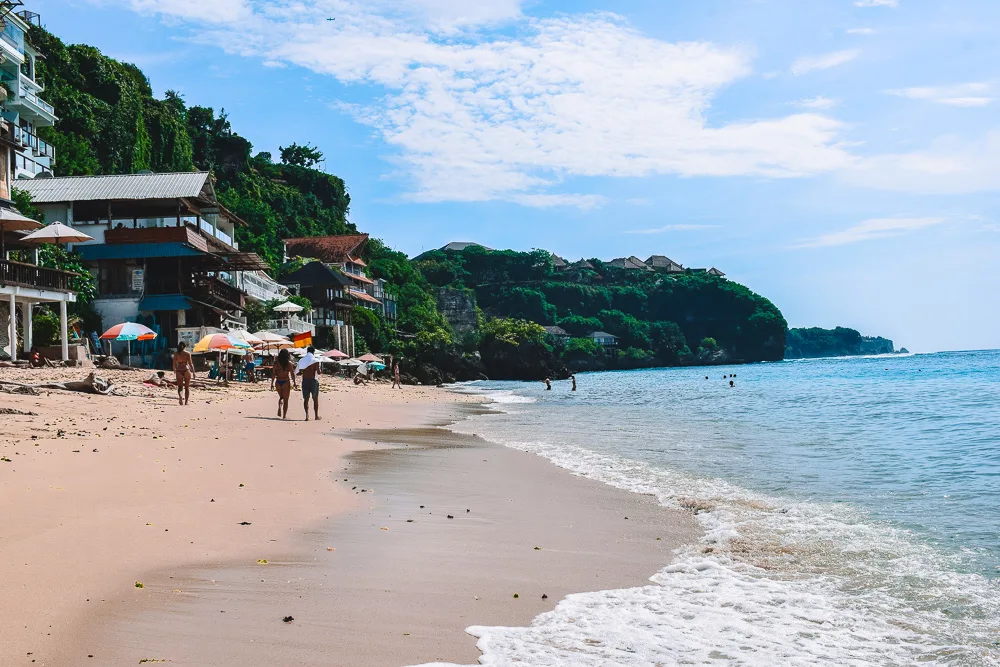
(283, 377)
(184, 370)
(573, 378)
(309, 369)
(548, 385)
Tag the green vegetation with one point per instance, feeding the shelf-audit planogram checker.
(840, 342)
(658, 319)
(110, 122)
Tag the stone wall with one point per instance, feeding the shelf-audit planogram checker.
(459, 308)
(4, 329)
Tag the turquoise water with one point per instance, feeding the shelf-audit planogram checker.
(850, 508)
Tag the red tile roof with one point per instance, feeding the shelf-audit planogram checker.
(364, 296)
(361, 279)
(356, 260)
(327, 249)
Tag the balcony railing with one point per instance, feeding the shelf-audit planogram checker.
(36, 100)
(218, 291)
(27, 164)
(183, 234)
(40, 147)
(294, 325)
(29, 275)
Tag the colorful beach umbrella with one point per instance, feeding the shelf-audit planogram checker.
(129, 331)
(336, 354)
(219, 342)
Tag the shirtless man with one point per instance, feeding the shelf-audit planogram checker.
(309, 369)
(184, 369)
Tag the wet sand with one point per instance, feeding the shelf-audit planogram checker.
(369, 577)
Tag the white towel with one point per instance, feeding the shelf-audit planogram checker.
(305, 362)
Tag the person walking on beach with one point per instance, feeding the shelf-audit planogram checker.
(283, 377)
(395, 376)
(251, 367)
(184, 370)
(309, 369)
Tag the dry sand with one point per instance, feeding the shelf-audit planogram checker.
(370, 578)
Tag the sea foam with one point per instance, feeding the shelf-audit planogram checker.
(773, 581)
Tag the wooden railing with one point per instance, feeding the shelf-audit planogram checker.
(182, 234)
(29, 275)
(209, 288)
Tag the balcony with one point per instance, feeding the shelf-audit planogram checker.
(183, 234)
(290, 326)
(23, 163)
(27, 99)
(217, 292)
(39, 147)
(29, 275)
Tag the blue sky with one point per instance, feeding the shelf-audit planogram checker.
(841, 157)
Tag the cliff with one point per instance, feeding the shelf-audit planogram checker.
(840, 342)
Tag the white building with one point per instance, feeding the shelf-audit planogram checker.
(23, 106)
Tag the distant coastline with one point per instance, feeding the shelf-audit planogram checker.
(815, 343)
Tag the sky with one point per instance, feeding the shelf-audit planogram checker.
(841, 157)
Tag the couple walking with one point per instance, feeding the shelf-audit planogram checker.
(283, 378)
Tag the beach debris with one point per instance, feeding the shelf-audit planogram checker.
(450, 516)
(145, 660)
(243, 485)
(331, 548)
(538, 548)
(14, 411)
(467, 511)
(245, 523)
(212, 500)
(544, 596)
(516, 596)
(421, 507)
(626, 518)
(385, 528)
(139, 584)
(262, 561)
(409, 521)
(288, 619)
(5, 459)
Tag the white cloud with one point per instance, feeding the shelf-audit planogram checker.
(950, 165)
(807, 64)
(582, 202)
(876, 3)
(876, 228)
(671, 228)
(860, 31)
(819, 102)
(217, 11)
(975, 94)
(490, 116)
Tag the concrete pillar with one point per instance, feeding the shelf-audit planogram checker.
(336, 334)
(26, 326)
(351, 336)
(13, 328)
(64, 330)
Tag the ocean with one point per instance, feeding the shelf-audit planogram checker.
(850, 509)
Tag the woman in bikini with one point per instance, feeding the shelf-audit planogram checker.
(184, 369)
(283, 375)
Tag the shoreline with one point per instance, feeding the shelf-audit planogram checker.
(173, 617)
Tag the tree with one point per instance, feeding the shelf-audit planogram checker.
(301, 156)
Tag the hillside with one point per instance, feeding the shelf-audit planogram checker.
(840, 342)
(110, 122)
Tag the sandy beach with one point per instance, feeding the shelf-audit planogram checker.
(380, 534)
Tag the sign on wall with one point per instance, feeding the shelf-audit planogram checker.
(138, 279)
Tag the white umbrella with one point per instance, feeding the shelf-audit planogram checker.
(246, 337)
(272, 341)
(12, 221)
(57, 232)
(288, 307)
